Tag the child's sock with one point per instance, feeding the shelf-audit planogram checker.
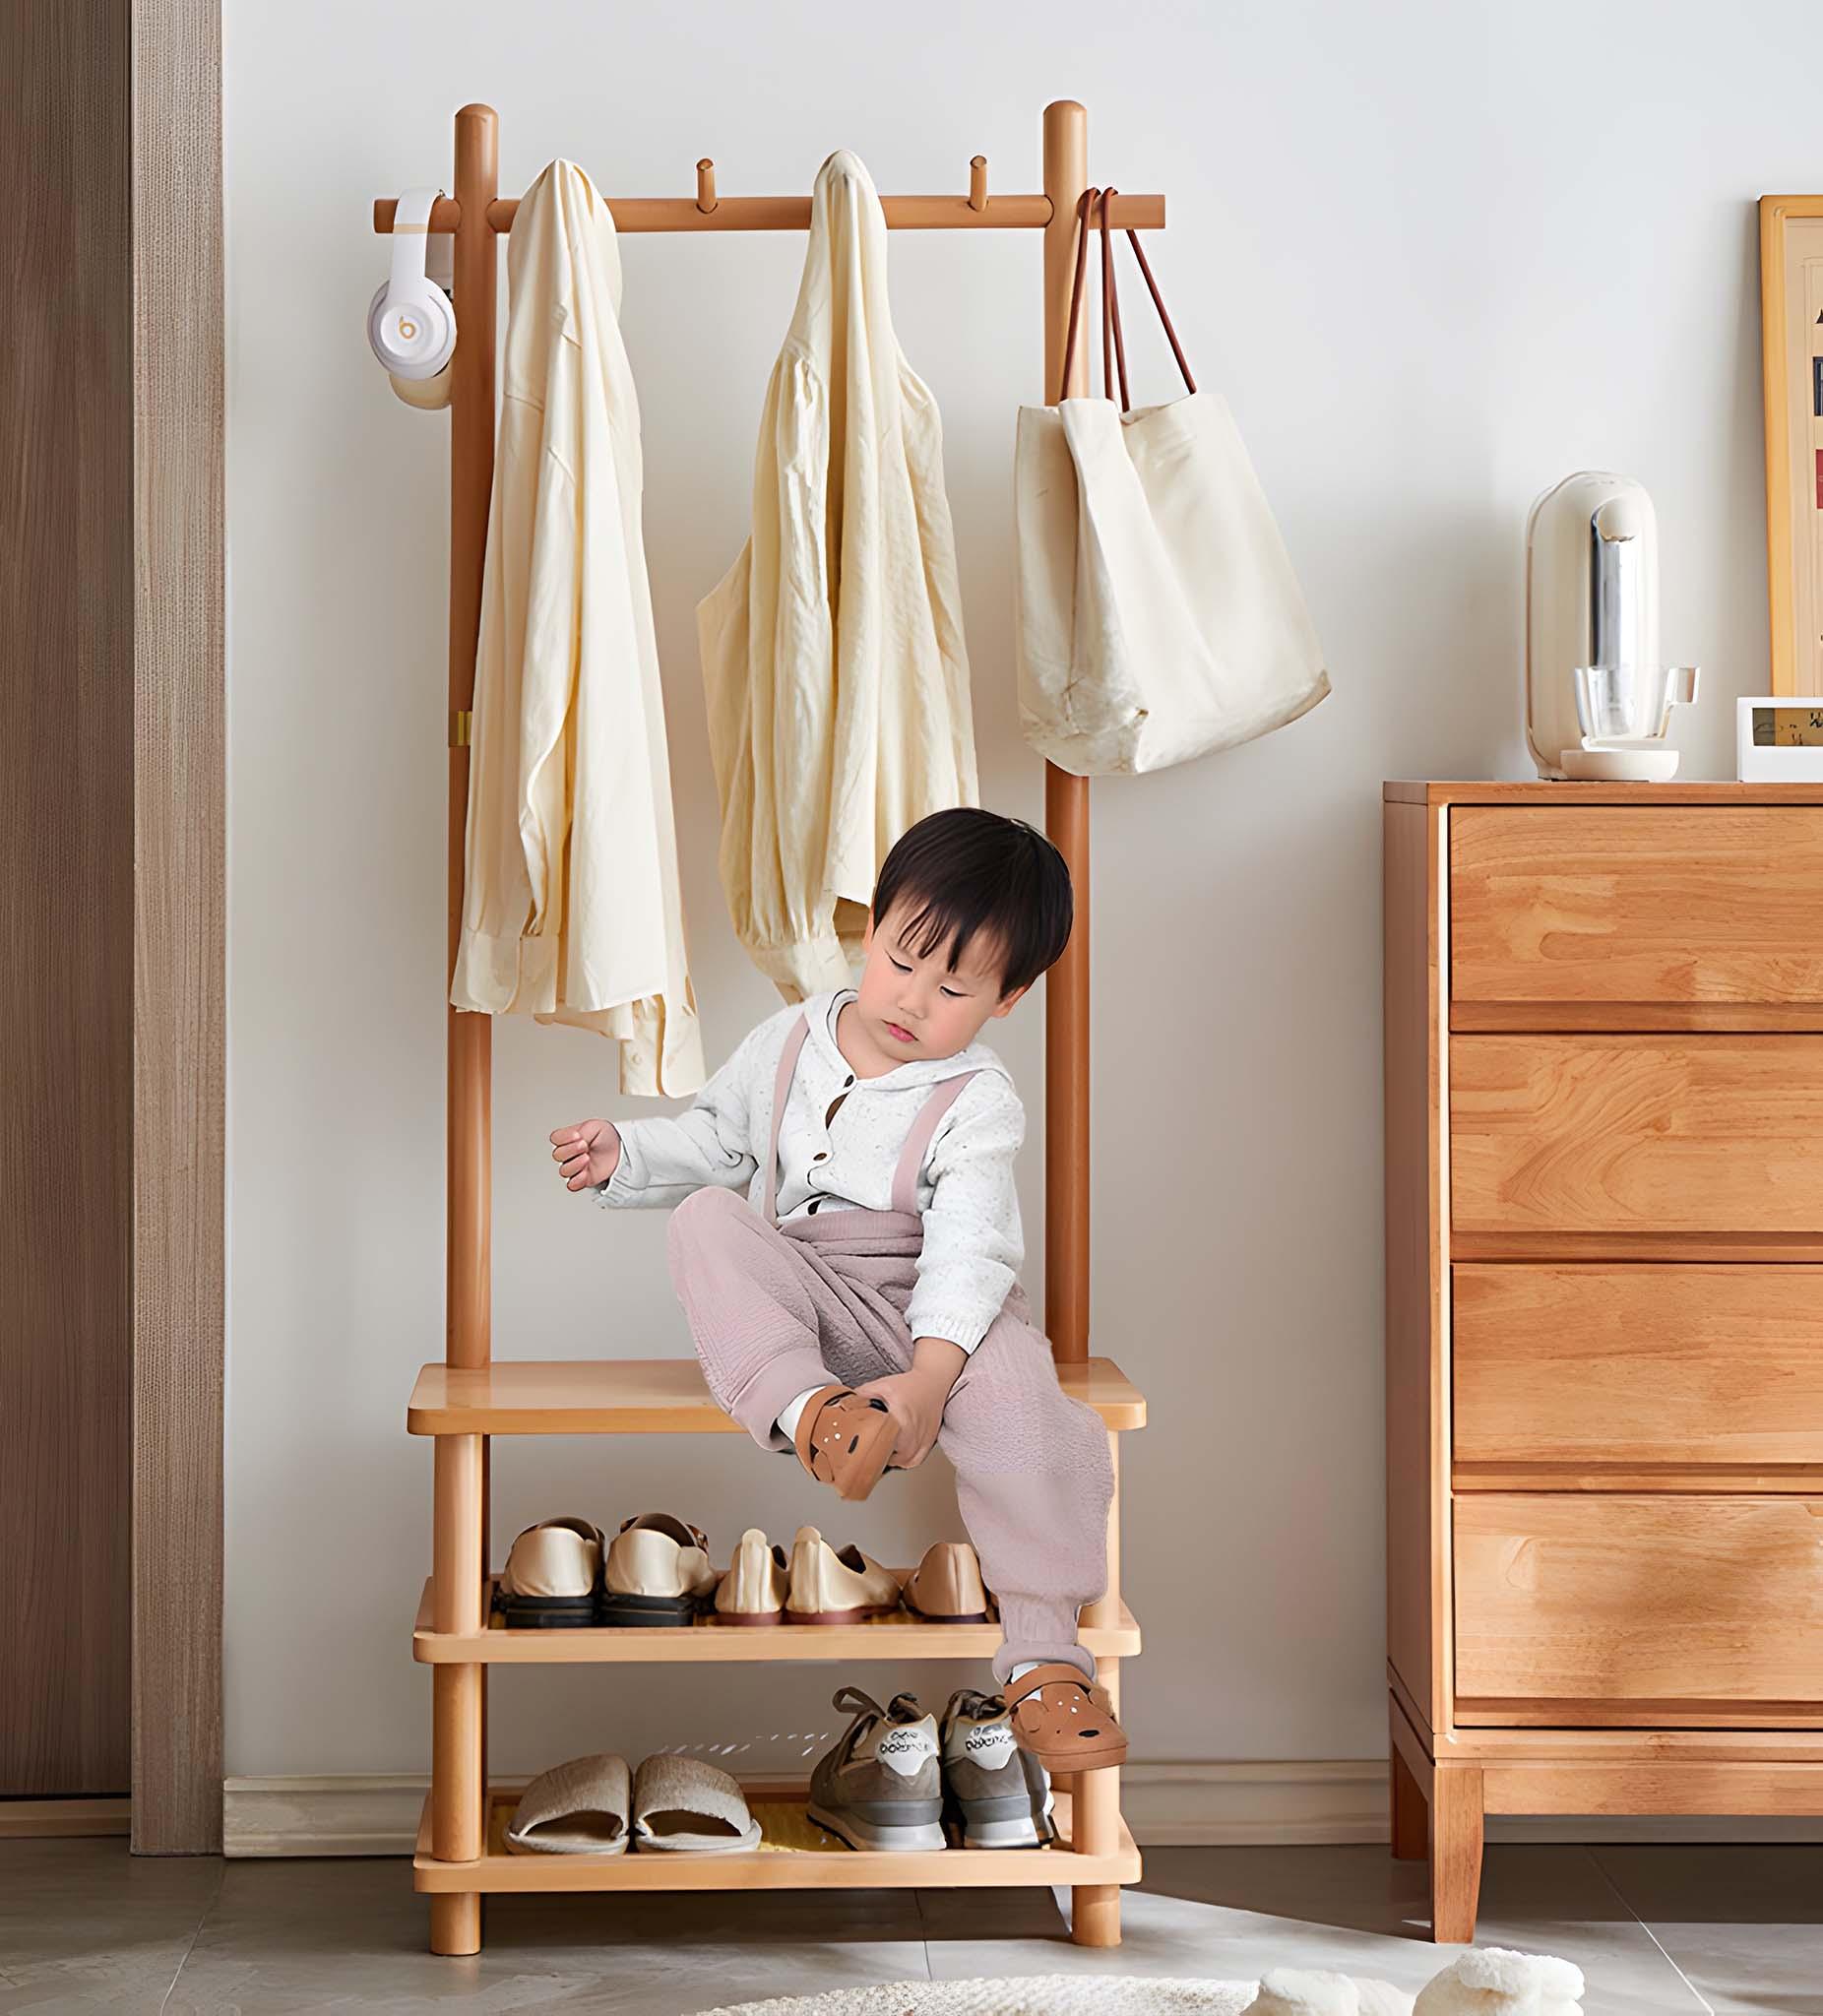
(792, 1412)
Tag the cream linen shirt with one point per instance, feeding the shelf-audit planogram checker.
(833, 657)
(571, 905)
(966, 1193)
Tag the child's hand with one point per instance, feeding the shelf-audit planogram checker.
(915, 1400)
(586, 1154)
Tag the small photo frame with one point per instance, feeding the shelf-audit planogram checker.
(1791, 337)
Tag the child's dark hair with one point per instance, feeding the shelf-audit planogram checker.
(968, 875)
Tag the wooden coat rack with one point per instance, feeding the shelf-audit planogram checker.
(466, 1400)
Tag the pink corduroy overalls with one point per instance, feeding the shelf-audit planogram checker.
(777, 1309)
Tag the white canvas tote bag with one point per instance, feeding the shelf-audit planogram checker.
(1158, 618)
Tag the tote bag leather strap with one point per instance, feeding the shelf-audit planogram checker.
(1113, 343)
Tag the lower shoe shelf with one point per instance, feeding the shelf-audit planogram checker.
(901, 1636)
(797, 1855)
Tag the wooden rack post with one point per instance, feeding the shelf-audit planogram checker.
(467, 1399)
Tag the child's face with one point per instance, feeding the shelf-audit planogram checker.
(912, 1006)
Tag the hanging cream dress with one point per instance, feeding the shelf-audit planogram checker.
(571, 908)
(833, 657)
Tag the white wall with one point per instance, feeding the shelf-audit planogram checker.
(1437, 255)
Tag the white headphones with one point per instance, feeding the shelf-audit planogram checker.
(412, 324)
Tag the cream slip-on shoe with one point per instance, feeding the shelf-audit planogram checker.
(946, 1585)
(552, 1576)
(752, 1589)
(832, 1587)
(657, 1572)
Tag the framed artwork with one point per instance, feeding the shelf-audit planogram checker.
(1791, 336)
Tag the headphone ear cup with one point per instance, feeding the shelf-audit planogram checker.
(428, 395)
(413, 335)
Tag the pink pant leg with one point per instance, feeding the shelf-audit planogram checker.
(1033, 1483)
(770, 1315)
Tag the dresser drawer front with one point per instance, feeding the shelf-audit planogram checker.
(1583, 1367)
(1582, 1603)
(1582, 1134)
(1583, 914)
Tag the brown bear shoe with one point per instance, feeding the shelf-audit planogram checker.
(845, 1440)
(1065, 1720)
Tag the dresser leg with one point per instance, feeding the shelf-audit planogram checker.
(1455, 1853)
(1410, 1812)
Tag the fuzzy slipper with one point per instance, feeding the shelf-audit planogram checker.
(1493, 1981)
(581, 1807)
(845, 1440)
(1292, 1992)
(684, 1806)
(1065, 1720)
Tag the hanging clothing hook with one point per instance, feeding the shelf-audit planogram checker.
(977, 182)
(705, 198)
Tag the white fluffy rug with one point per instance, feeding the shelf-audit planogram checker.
(1056, 1994)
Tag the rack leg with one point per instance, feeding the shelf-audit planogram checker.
(456, 1922)
(458, 1792)
(1094, 1828)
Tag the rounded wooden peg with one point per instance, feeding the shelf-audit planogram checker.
(704, 185)
(977, 182)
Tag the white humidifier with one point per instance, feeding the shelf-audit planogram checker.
(1598, 701)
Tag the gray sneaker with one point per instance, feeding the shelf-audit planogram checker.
(995, 1793)
(881, 1787)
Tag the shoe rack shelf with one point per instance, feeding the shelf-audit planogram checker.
(463, 1404)
(877, 1638)
(648, 1397)
(497, 1870)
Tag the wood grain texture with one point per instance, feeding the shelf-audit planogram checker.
(1584, 1365)
(1067, 1164)
(66, 840)
(1456, 1836)
(1566, 795)
(636, 214)
(900, 1636)
(497, 1869)
(1417, 1600)
(1409, 1773)
(1643, 1785)
(1622, 908)
(1692, 1604)
(1623, 1134)
(178, 1087)
(646, 1396)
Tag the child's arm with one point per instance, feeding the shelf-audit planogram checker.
(660, 1161)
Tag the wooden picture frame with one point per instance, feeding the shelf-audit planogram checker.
(1791, 337)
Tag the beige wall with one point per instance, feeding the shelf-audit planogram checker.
(1437, 256)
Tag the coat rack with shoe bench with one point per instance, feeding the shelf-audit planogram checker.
(466, 1400)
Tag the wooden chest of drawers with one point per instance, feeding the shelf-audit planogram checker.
(1604, 1307)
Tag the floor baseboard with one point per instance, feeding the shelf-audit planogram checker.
(1167, 1805)
(45, 1819)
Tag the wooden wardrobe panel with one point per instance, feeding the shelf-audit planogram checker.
(1660, 1601)
(66, 866)
(1582, 1134)
(1705, 906)
(1415, 1456)
(1586, 1365)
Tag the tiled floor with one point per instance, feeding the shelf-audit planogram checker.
(1657, 1930)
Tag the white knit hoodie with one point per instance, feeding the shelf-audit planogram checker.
(965, 1194)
